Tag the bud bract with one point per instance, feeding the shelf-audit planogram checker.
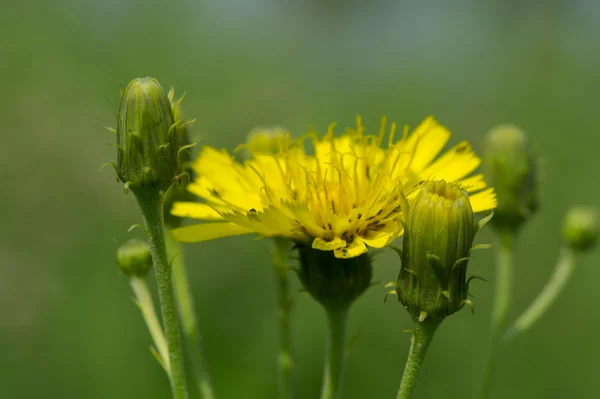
(511, 170)
(134, 258)
(148, 144)
(438, 236)
(179, 192)
(580, 228)
(334, 282)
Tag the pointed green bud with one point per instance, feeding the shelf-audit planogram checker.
(333, 282)
(511, 169)
(266, 140)
(146, 137)
(438, 237)
(179, 192)
(134, 258)
(580, 228)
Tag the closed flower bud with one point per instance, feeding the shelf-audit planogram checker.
(580, 228)
(438, 236)
(148, 144)
(134, 258)
(511, 170)
(334, 282)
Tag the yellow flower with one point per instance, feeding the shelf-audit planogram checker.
(346, 195)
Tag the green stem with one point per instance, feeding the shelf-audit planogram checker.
(151, 204)
(285, 359)
(504, 266)
(560, 277)
(143, 298)
(189, 321)
(335, 355)
(422, 337)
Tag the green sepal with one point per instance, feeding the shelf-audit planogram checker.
(478, 247)
(397, 250)
(390, 292)
(481, 223)
(470, 303)
(158, 358)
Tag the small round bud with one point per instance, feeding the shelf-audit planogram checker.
(438, 236)
(511, 170)
(580, 228)
(266, 140)
(333, 282)
(147, 138)
(134, 258)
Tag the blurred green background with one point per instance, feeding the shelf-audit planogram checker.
(68, 327)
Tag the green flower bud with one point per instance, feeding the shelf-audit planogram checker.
(134, 258)
(266, 140)
(148, 144)
(333, 282)
(179, 192)
(438, 236)
(511, 170)
(580, 228)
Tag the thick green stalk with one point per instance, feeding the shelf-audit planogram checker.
(189, 321)
(151, 203)
(285, 359)
(421, 339)
(139, 286)
(560, 277)
(335, 355)
(504, 266)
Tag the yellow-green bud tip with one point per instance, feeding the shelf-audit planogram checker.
(147, 139)
(438, 236)
(266, 140)
(134, 258)
(511, 169)
(580, 228)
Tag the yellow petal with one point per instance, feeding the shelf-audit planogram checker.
(453, 165)
(323, 245)
(429, 138)
(355, 248)
(195, 210)
(473, 183)
(207, 231)
(483, 201)
(382, 237)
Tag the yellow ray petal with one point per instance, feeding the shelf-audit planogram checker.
(473, 183)
(355, 248)
(207, 231)
(453, 165)
(383, 236)
(195, 210)
(429, 138)
(323, 245)
(483, 201)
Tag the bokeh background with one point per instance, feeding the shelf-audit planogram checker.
(68, 327)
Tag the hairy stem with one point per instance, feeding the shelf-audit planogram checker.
(504, 266)
(151, 204)
(561, 275)
(143, 298)
(421, 339)
(335, 355)
(189, 321)
(285, 359)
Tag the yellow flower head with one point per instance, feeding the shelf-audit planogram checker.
(345, 195)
